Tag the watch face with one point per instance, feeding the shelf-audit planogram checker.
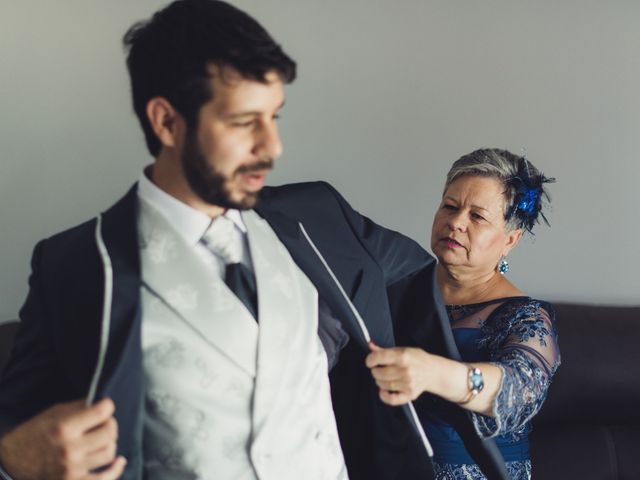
(476, 380)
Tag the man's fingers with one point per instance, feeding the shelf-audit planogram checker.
(100, 458)
(58, 440)
(101, 436)
(115, 471)
(87, 418)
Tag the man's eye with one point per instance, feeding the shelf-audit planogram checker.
(446, 206)
(477, 216)
(243, 124)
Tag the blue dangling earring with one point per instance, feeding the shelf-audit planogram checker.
(503, 266)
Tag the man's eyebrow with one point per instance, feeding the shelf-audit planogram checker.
(250, 113)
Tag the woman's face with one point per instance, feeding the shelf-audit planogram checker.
(469, 230)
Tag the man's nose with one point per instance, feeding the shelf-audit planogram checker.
(268, 143)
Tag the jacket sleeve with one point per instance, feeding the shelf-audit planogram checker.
(28, 379)
(398, 255)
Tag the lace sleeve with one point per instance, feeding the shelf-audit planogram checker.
(522, 340)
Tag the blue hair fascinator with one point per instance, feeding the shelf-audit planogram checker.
(529, 196)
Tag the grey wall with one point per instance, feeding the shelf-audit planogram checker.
(389, 94)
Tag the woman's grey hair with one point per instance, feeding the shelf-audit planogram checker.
(504, 166)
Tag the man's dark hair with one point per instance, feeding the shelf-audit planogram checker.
(169, 56)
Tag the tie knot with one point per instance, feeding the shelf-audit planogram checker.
(222, 239)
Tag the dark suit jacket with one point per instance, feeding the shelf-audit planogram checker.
(55, 351)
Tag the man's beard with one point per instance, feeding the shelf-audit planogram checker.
(209, 184)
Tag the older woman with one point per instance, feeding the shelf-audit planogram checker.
(506, 338)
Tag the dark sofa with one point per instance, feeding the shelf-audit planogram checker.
(589, 428)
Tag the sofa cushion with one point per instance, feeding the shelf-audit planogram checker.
(591, 452)
(589, 427)
(598, 380)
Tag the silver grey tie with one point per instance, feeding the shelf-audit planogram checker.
(221, 239)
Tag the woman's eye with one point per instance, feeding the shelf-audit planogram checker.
(448, 207)
(477, 216)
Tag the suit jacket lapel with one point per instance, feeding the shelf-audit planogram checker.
(288, 231)
(119, 231)
(121, 376)
(417, 321)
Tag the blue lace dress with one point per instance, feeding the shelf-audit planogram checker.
(517, 334)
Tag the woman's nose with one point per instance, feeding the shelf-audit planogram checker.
(457, 222)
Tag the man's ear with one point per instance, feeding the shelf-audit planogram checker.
(513, 237)
(165, 121)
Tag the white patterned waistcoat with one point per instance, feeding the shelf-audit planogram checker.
(227, 398)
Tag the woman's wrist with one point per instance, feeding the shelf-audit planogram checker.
(448, 378)
(471, 390)
(475, 384)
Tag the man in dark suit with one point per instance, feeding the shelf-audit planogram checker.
(207, 84)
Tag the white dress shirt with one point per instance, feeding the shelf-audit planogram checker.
(192, 224)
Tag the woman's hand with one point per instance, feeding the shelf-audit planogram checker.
(404, 373)
(401, 373)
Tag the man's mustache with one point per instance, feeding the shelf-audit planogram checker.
(259, 166)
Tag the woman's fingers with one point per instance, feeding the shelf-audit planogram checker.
(399, 356)
(398, 371)
(388, 373)
(392, 387)
(394, 398)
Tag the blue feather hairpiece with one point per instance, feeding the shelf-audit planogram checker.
(529, 196)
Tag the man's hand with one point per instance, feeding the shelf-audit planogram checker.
(67, 442)
(401, 373)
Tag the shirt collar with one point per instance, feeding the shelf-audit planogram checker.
(190, 223)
